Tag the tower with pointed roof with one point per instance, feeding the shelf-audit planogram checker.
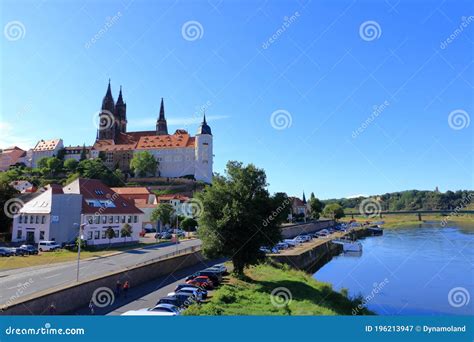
(121, 114)
(203, 152)
(304, 198)
(106, 129)
(161, 126)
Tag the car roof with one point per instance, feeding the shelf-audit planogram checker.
(167, 306)
(169, 298)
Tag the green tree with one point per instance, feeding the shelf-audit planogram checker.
(163, 213)
(110, 234)
(71, 164)
(315, 206)
(42, 163)
(333, 210)
(83, 153)
(143, 163)
(189, 224)
(236, 217)
(7, 193)
(126, 231)
(283, 207)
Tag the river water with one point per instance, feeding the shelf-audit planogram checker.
(418, 270)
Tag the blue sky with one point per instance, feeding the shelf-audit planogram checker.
(355, 111)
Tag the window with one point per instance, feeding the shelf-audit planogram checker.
(129, 219)
(104, 219)
(19, 234)
(37, 219)
(31, 219)
(116, 233)
(96, 235)
(103, 234)
(89, 219)
(96, 219)
(43, 219)
(41, 234)
(89, 235)
(123, 219)
(111, 219)
(117, 219)
(135, 219)
(20, 219)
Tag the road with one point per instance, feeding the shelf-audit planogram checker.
(147, 295)
(17, 283)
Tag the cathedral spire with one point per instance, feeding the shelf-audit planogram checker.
(204, 128)
(120, 98)
(161, 126)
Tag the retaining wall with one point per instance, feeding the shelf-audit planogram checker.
(291, 231)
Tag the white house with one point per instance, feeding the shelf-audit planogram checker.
(45, 148)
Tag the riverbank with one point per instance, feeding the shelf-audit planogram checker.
(300, 295)
(402, 221)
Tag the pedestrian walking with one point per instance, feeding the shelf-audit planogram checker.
(52, 309)
(118, 287)
(92, 307)
(126, 286)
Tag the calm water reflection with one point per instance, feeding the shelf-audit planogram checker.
(413, 268)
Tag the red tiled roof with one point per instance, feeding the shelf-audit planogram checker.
(132, 190)
(46, 145)
(93, 189)
(177, 140)
(171, 197)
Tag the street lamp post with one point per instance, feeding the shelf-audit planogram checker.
(81, 228)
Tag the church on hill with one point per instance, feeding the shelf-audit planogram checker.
(178, 154)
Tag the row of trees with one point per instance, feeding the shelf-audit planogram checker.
(166, 214)
(412, 200)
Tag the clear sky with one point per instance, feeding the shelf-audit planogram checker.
(335, 97)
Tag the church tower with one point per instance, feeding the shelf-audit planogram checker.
(106, 129)
(161, 126)
(121, 114)
(203, 153)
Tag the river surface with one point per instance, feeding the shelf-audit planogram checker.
(418, 270)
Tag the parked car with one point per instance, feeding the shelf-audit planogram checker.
(29, 249)
(198, 288)
(44, 246)
(282, 245)
(192, 290)
(6, 252)
(159, 310)
(202, 281)
(219, 268)
(18, 251)
(214, 275)
(172, 300)
(180, 300)
(166, 235)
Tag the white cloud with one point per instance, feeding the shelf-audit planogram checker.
(355, 196)
(8, 138)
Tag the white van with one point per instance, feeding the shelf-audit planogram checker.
(44, 246)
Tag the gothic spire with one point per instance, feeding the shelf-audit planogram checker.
(120, 98)
(161, 126)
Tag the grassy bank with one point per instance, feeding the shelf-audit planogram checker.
(395, 221)
(252, 296)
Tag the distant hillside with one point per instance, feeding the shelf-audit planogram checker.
(414, 200)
